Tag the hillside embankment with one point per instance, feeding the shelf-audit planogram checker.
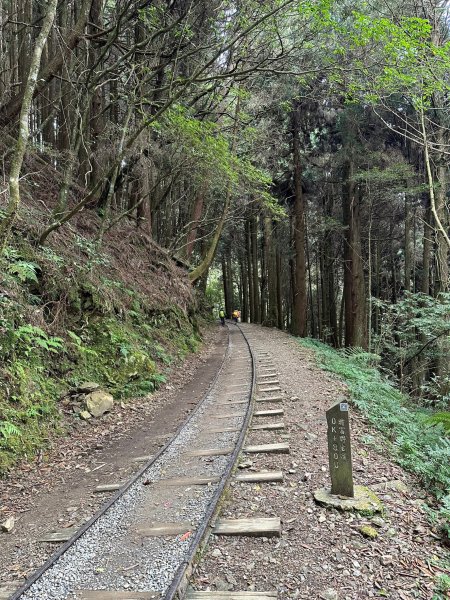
(110, 308)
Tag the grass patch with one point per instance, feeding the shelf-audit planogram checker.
(416, 442)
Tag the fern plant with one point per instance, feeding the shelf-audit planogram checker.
(24, 271)
(8, 429)
(441, 418)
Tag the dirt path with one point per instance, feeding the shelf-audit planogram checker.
(322, 554)
(58, 492)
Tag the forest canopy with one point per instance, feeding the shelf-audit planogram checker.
(292, 155)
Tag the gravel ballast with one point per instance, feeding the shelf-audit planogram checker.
(112, 555)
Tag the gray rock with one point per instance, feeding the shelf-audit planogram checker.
(378, 521)
(85, 415)
(87, 387)
(8, 525)
(99, 402)
(221, 585)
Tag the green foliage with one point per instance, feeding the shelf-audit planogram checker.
(107, 334)
(416, 328)
(416, 446)
(24, 271)
(442, 588)
(30, 337)
(203, 143)
(441, 418)
(8, 429)
(404, 58)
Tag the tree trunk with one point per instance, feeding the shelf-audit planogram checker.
(354, 285)
(244, 285)
(195, 219)
(300, 294)
(254, 247)
(248, 253)
(22, 137)
(12, 108)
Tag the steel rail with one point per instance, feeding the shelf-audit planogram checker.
(175, 589)
(105, 507)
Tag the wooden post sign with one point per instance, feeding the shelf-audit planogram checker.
(339, 450)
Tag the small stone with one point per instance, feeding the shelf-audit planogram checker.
(378, 521)
(221, 585)
(294, 398)
(398, 486)
(330, 594)
(99, 402)
(245, 464)
(368, 532)
(8, 525)
(391, 532)
(386, 559)
(85, 415)
(364, 502)
(322, 518)
(216, 553)
(87, 387)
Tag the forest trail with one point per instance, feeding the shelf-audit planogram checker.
(321, 554)
(58, 492)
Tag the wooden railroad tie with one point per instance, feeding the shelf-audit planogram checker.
(211, 452)
(162, 529)
(267, 527)
(232, 402)
(188, 481)
(108, 487)
(270, 399)
(259, 477)
(222, 430)
(279, 448)
(270, 389)
(229, 416)
(269, 413)
(62, 535)
(113, 595)
(194, 595)
(267, 427)
(7, 590)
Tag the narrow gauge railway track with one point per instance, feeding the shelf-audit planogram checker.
(141, 542)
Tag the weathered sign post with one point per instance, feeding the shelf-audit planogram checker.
(339, 450)
(343, 495)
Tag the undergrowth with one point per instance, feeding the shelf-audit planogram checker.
(417, 439)
(63, 322)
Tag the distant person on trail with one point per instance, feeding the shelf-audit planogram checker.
(236, 314)
(222, 316)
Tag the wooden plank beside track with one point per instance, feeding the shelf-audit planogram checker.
(267, 527)
(279, 448)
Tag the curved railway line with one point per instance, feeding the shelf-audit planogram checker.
(142, 543)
